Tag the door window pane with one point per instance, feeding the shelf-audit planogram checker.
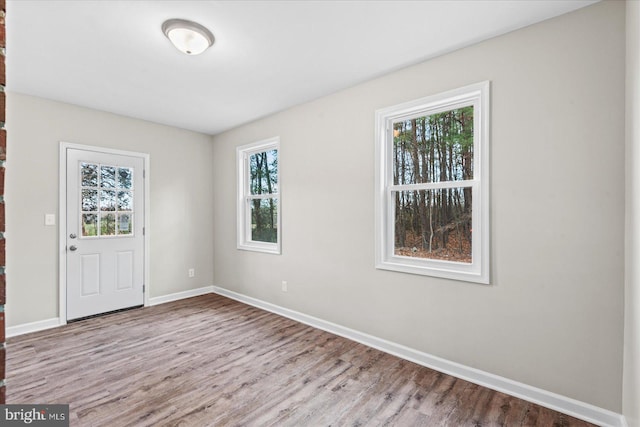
(106, 194)
(107, 200)
(107, 177)
(125, 223)
(89, 225)
(89, 200)
(125, 201)
(125, 178)
(107, 224)
(89, 174)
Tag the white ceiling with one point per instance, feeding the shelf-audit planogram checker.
(268, 55)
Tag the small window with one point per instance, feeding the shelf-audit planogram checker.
(432, 193)
(259, 196)
(107, 200)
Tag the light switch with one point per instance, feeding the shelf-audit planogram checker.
(50, 219)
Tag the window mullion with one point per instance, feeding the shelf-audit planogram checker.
(433, 185)
(262, 196)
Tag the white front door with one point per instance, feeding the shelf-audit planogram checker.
(104, 232)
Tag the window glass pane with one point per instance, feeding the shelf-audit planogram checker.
(434, 148)
(107, 200)
(107, 177)
(433, 224)
(125, 225)
(89, 200)
(125, 201)
(263, 171)
(264, 220)
(89, 225)
(89, 174)
(125, 178)
(107, 224)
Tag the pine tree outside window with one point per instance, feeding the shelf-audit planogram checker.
(432, 192)
(259, 196)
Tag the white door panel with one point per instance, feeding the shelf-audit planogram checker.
(104, 242)
(89, 274)
(124, 270)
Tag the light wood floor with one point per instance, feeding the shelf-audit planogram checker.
(211, 361)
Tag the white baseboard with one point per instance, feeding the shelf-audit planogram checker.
(624, 422)
(41, 325)
(181, 295)
(566, 405)
(26, 328)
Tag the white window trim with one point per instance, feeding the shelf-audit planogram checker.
(244, 211)
(478, 270)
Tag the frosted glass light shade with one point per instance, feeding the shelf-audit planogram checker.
(187, 36)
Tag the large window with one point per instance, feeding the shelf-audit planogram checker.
(259, 196)
(432, 193)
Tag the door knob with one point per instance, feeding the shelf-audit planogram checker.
(73, 248)
(72, 236)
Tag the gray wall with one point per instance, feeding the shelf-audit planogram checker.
(631, 383)
(553, 314)
(181, 204)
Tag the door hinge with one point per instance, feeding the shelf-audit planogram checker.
(143, 288)
(143, 231)
(144, 173)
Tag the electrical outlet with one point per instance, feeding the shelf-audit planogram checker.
(284, 286)
(192, 272)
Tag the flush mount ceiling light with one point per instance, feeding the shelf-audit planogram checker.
(187, 36)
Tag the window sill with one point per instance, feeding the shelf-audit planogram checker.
(442, 269)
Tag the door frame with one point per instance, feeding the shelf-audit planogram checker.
(62, 220)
